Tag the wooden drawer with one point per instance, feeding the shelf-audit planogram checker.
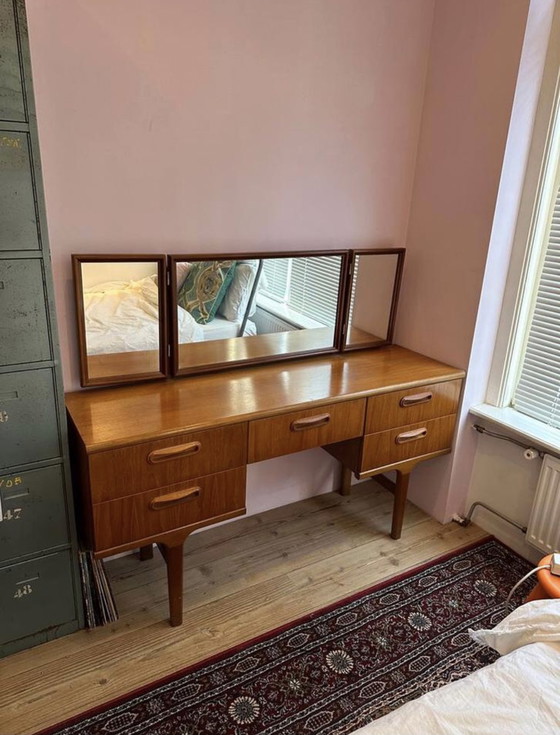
(199, 502)
(396, 445)
(410, 406)
(166, 461)
(299, 430)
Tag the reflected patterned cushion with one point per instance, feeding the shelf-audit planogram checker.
(204, 288)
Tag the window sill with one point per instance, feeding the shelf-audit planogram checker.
(545, 437)
(284, 312)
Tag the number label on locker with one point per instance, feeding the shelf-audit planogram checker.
(33, 512)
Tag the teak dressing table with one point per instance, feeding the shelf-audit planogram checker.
(155, 461)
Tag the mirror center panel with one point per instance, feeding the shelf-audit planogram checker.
(254, 309)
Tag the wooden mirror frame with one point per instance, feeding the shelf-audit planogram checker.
(257, 357)
(86, 379)
(400, 253)
(168, 323)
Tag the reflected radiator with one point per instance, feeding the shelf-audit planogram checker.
(543, 530)
(268, 323)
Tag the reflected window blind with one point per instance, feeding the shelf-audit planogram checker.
(538, 390)
(308, 286)
(353, 288)
(276, 271)
(314, 287)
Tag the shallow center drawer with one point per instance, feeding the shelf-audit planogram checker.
(199, 502)
(166, 461)
(299, 430)
(409, 406)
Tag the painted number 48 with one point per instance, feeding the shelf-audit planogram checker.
(25, 589)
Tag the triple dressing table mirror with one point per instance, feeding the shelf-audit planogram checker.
(155, 316)
(121, 317)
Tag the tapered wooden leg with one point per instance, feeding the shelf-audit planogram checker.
(173, 556)
(146, 552)
(345, 481)
(401, 491)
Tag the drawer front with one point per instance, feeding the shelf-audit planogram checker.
(120, 472)
(24, 333)
(410, 406)
(299, 430)
(18, 217)
(203, 499)
(33, 512)
(36, 595)
(407, 442)
(28, 419)
(11, 88)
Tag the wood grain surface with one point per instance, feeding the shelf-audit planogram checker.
(388, 411)
(128, 470)
(128, 415)
(294, 431)
(192, 503)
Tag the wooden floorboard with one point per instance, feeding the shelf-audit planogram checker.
(241, 579)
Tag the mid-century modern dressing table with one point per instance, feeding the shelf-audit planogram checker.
(158, 460)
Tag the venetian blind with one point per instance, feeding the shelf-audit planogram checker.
(314, 287)
(307, 285)
(538, 389)
(276, 271)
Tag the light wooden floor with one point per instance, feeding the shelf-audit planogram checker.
(241, 579)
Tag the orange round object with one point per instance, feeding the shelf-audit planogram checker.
(548, 586)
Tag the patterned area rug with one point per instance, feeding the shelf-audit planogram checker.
(337, 669)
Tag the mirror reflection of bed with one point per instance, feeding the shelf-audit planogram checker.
(254, 308)
(121, 308)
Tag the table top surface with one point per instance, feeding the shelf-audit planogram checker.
(123, 415)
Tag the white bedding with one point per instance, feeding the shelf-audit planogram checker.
(221, 328)
(519, 694)
(122, 316)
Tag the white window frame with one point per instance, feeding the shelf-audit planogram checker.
(529, 246)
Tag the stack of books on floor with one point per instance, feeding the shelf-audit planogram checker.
(99, 603)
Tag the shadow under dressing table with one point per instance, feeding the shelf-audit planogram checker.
(155, 461)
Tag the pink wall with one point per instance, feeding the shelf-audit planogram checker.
(224, 124)
(211, 125)
(474, 60)
(214, 125)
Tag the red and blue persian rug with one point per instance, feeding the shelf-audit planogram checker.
(337, 669)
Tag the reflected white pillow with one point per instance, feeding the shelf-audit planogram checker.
(533, 622)
(235, 301)
(182, 272)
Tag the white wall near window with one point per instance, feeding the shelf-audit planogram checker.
(488, 469)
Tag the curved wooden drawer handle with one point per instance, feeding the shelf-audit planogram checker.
(179, 496)
(415, 399)
(410, 436)
(312, 422)
(182, 450)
